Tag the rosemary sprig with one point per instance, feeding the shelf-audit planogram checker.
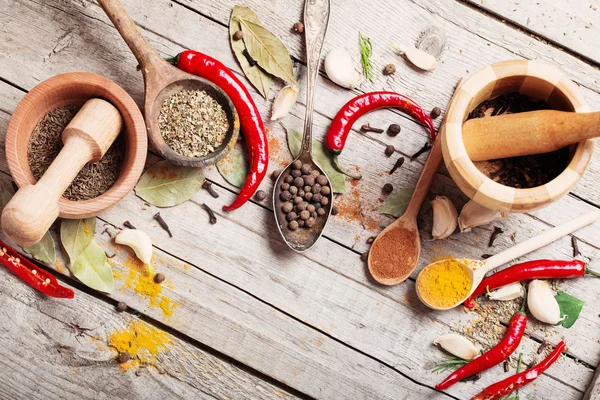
(366, 48)
(450, 363)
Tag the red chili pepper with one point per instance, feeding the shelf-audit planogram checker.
(495, 355)
(517, 381)
(251, 122)
(538, 269)
(362, 104)
(36, 277)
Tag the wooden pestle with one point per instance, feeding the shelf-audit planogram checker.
(533, 132)
(33, 209)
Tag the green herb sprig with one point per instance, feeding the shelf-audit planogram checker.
(366, 49)
(450, 363)
(515, 395)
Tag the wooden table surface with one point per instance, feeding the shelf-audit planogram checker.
(253, 319)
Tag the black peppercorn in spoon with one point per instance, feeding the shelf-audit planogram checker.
(316, 19)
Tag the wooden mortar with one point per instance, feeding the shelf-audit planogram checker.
(530, 78)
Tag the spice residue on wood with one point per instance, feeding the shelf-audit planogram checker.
(524, 171)
(192, 123)
(46, 142)
(141, 342)
(394, 253)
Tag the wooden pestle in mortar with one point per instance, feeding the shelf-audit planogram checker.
(31, 211)
(533, 132)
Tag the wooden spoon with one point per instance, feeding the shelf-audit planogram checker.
(477, 269)
(161, 80)
(533, 132)
(29, 214)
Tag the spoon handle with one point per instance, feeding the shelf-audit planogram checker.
(316, 19)
(539, 241)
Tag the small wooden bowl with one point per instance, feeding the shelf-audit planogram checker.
(76, 88)
(531, 78)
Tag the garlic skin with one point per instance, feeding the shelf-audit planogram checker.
(457, 345)
(508, 292)
(541, 302)
(418, 58)
(339, 67)
(284, 101)
(474, 214)
(444, 217)
(139, 241)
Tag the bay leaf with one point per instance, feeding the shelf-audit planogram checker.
(167, 185)
(234, 167)
(7, 191)
(396, 204)
(321, 156)
(260, 79)
(93, 270)
(44, 251)
(570, 308)
(76, 235)
(268, 51)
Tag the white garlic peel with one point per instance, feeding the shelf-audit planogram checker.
(457, 345)
(339, 67)
(541, 302)
(508, 292)
(418, 58)
(284, 102)
(139, 242)
(474, 214)
(444, 217)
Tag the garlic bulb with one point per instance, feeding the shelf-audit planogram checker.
(474, 214)
(418, 58)
(508, 292)
(457, 345)
(284, 102)
(138, 241)
(339, 67)
(541, 302)
(444, 217)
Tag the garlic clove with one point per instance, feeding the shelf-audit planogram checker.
(541, 302)
(457, 345)
(339, 67)
(474, 214)
(508, 292)
(139, 242)
(444, 217)
(284, 102)
(418, 58)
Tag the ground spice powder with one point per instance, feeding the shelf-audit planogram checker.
(141, 341)
(394, 253)
(444, 283)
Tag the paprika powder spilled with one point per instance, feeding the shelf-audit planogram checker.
(444, 283)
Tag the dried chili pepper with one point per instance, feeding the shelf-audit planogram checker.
(537, 269)
(359, 106)
(37, 278)
(495, 355)
(251, 122)
(508, 385)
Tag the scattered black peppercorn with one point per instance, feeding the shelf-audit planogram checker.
(293, 225)
(389, 150)
(325, 190)
(291, 216)
(436, 112)
(159, 278)
(297, 164)
(275, 174)
(306, 168)
(285, 186)
(298, 27)
(288, 179)
(287, 207)
(394, 129)
(285, 196)
(310, 180)
(389, 69)
(387, 188)
(260, 195)
(121, 306)
(322, 180)
(238, 35)
(296, 173)
(123, 358)
(299, 182)
(334, 210)
(293, 190)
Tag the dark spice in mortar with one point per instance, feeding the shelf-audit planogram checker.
(46, 142)
(524, 171)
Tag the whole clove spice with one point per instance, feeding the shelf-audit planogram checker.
(251, 60)
(129, 225)
(542, 347)
(575, 246)
(397, 165)
(486, 256)
(212, 218)
(506, 366)
(207, 185)
(495, 234)
(423, 149)
(367, 128)
(162, 223)
(473, 378)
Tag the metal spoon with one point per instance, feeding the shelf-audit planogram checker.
(477, 269)
(316, 19)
